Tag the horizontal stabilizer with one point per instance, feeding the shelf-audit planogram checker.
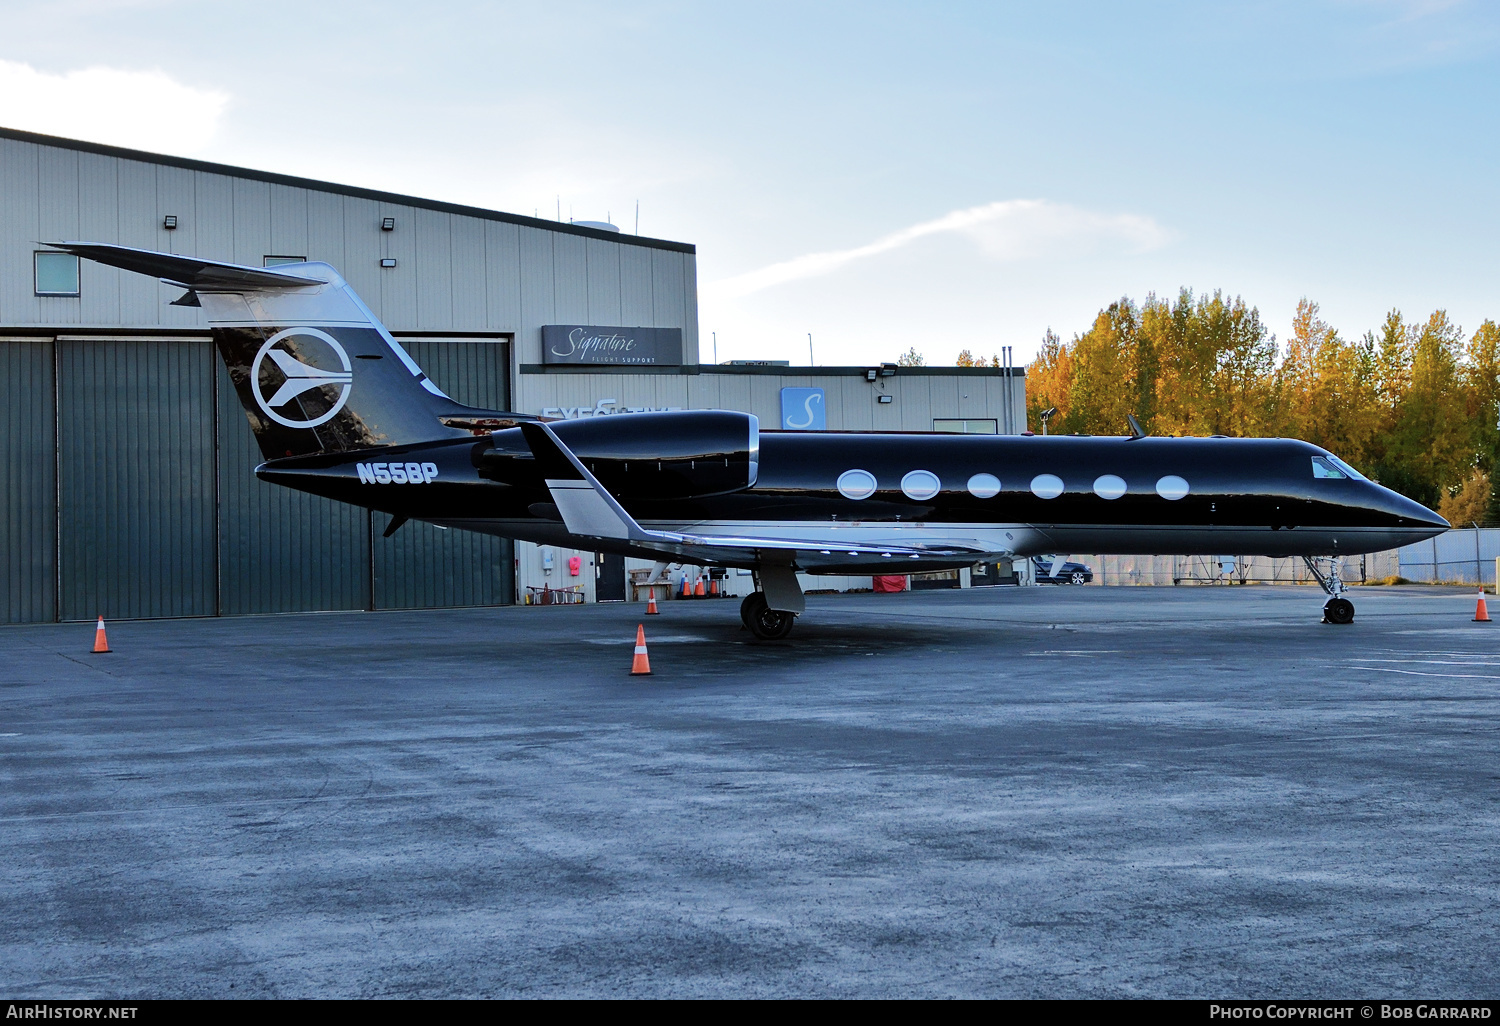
(189, 272)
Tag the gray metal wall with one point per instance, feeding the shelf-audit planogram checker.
(458, 269)
(160, 514)
(130, 492)
(919, 395)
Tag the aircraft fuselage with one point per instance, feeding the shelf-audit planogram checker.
(1018, 495)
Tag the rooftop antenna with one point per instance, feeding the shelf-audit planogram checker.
(811, 362)
(714, 333)
(638, 228)
(559, 206)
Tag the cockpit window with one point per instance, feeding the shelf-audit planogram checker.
(1323, 467)
(1348, 470)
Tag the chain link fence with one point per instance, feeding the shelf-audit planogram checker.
(1461, 556)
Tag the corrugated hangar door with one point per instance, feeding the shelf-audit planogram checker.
(135, 458)
(28, 522)
(280, 550)
(128, 468)
(422, 566)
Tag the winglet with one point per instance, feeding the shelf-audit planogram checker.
(586, 508)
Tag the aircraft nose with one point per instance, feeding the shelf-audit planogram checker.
(1411, 512)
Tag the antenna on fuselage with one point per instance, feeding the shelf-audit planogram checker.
(1135, 427)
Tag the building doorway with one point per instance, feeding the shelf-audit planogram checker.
(609, 577)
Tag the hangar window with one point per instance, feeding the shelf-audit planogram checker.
(982, 426)
(56, 274)
(1325, 468)
(273, 260)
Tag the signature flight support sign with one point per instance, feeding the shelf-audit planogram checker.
(606, 346)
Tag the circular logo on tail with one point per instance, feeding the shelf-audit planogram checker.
(300, 355)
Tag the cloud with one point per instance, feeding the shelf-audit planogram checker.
(146, 110)
(1005, 230)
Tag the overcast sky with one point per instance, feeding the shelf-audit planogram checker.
(879, 175)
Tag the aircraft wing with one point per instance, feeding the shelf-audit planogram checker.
(587, 509)
(188, 272)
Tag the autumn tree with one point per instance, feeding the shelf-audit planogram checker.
(1417, 406)
(1048, 380)
(1429, 442)
(1327, 389)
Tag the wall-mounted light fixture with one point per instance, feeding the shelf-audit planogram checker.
(887, 370)
(886, 398)
(387, 261)
(387, 224)
(872, 373)
(169, 222)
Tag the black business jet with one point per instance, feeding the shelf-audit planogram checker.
(339, 409)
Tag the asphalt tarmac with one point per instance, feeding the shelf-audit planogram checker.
(1095, 792)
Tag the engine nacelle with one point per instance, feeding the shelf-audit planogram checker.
(678, 455)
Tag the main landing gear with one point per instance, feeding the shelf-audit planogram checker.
(765, 623)
(1337, 609)
(772, 608)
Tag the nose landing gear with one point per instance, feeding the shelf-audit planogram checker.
(1337, 609)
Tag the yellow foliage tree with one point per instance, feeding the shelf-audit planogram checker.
(1414, 405)
(1468, 504)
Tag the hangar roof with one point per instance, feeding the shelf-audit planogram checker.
(343, 190)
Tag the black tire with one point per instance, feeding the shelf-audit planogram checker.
(1338, 610)
(1076, 577)
(765, 623)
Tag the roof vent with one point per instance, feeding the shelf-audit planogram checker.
(603, 226)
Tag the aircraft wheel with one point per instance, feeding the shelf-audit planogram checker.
(1338, 610)
(765, 623)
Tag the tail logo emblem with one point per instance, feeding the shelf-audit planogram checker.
(300, 377)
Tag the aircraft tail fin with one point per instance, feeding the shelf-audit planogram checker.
(315, 370)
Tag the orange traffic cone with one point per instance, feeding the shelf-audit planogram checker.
(1481, 614)
(101, 643)
(687, 589)
(713, 588)
(700, 591)
(640, 666)
(651, 609)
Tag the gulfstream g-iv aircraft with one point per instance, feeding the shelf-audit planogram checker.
(340, 410)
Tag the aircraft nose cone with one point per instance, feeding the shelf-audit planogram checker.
(1414, 513)
(1433, 519)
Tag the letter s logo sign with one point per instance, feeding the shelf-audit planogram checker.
(803, 409)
